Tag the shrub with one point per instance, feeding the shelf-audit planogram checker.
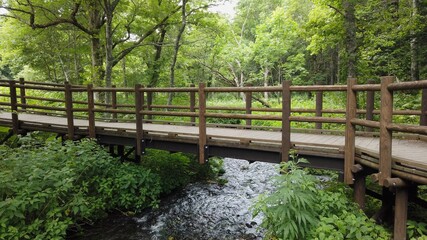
(46, 188)
(289, 212)
(301, 209)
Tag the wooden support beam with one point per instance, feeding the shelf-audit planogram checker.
(370, 100)
(248, 101)
(359, 185)
(114, 103)
(69, 110)
(360, 189)
(91, 112)
(350, 133)
(423, 118)
(385, 160)
(14, 107)
(202, 123)
(400, 214)
(319, 108)
(386, 210)
(400, 187)
(22, 92)
(149, 104)
(286, 124)
(138, 116)
(193, 105)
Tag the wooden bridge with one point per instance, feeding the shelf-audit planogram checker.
(370, 142)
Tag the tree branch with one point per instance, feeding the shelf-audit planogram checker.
(138, 43)
(336, 9)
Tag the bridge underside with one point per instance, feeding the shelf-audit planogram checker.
(245, 152)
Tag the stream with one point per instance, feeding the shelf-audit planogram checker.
(199, 211)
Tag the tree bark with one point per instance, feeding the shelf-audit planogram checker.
(266, 73)
(350, 37)
(154, 81)
(415, 72)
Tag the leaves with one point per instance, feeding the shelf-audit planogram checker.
(49, 187)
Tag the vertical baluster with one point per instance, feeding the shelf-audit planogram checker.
(385, 134)
(350, 131)
(202, 123)
(14, 106)
(91, 111)
(69, 110)
(286, 124)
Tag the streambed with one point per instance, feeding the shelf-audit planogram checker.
(200, 211)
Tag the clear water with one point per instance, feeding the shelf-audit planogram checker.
(200, 211)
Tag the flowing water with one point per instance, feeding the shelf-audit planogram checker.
(201, 210)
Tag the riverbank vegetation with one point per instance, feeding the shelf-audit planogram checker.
(304, 207)
(49, 187)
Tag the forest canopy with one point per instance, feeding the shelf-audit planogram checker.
(177, 43)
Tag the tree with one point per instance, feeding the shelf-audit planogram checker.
(90, 17)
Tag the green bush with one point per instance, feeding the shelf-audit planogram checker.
(289, 212)
(47, 188)
(301, 209)
(173, 169)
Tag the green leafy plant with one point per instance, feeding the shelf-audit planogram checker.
(416, 230)
(289, 212)
(49, 187)
(301, 208)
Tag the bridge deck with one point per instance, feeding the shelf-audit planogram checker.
(409, 155)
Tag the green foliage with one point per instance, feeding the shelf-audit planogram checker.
(416, 230)
(301, 209)
(289, 212)
(341, 219)
(173, 169)
(47, 188)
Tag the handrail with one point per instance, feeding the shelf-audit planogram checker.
(143, 110)
(385, 124)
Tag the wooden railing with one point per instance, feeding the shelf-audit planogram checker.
(144, 111)
(385, 124)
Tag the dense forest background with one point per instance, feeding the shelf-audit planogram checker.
(179, 42)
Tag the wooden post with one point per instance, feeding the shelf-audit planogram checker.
(202, 123)
(14, 106)
(319, 108)
(400, 206)
(286, 124)
(423, 118)
(149, 103)
(91, 112)
(401, 213)
(350, 132)
(69, 110)
(193, 105)
(22, 93)
(385, 135)
(138, 117)
(114, 103)
(359, 185)
(370, 99)
(248, 100)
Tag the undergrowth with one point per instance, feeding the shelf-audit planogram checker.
(301, 208)
(49, 187)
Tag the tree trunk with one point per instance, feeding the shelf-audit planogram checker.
(266, 73)
(350, 36)
(154, 81)
(176, 48)
(415, 73)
